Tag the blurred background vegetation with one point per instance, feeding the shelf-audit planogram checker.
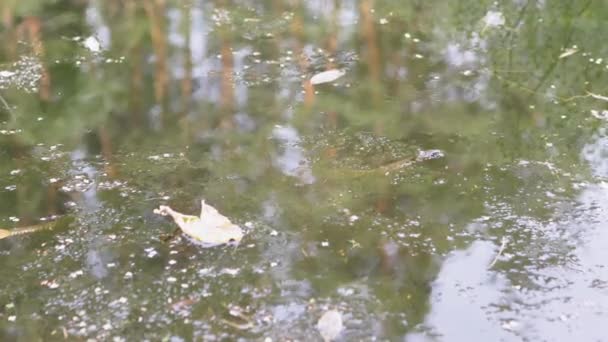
(110, 107)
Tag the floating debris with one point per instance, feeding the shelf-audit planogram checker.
(500, 251)
(603, 115)
(494, 19)
(151, 252)
(327, 76)
(92, 44)
(597, 96)
(5, 233)
(76, 274)
(211, 228)
(51, 284)
(330, 325)
(568, 52)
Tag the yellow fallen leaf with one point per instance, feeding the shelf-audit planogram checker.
(211, 228)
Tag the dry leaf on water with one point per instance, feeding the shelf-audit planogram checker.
(330, 325)
(568, 52)
(327, 76)
(211, 228)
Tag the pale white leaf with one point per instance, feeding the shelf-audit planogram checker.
(211, 228)
(327, 76)
(568, 52)
(330, 325)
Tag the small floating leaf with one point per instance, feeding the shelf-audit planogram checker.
(327, 76)
(568, 52)
(330, 325)
(211, 228)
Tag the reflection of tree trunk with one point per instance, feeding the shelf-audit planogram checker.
(137, 82)
(11, 41)
(51, 200)
(383, 203)
(332, 37)
(33, 27)
(137, 75)
(372, 53)
(155, 9)
(106, 150)
(186, 83)
(297, 30)
(227, 95)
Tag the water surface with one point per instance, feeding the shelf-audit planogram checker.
(450, 186)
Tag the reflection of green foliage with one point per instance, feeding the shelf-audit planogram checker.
(486, 115)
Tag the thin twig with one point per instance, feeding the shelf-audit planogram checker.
(502, 248)
(8, 108)
(597, 96)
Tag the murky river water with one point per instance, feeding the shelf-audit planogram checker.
(445, 181)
